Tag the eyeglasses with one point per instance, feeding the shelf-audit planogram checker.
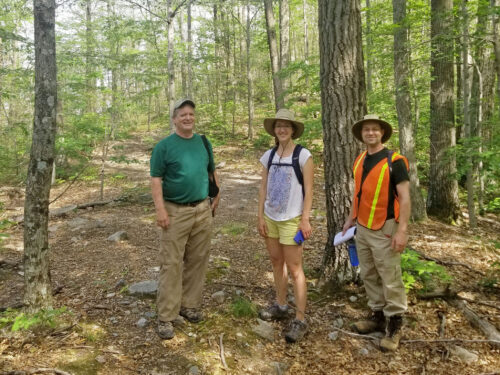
(283, 126)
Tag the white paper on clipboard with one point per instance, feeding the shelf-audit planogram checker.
(339, 238)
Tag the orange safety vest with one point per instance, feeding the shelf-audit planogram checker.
(371, 210)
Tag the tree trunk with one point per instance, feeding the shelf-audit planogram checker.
(369, 49)
(279, 100)
(38, 292)
(466, 87)
(170, 63)
(403, 106)
(216, 71)
(306, 47)
(189, 88)
(183, 57)
(249, 76)
(284, 12)
(442, 199)
(343, 101)
(89, 60)
(496, 46)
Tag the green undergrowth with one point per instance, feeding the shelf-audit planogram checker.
(16, 320)
(242, 307)
(234, 228)
(421, 275)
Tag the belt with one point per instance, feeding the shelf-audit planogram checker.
(190, 204)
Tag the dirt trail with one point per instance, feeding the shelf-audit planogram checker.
(91, 275)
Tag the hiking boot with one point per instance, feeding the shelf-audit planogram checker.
(191, 314)
(296, 330)
(376, 322)
(165, 330)
(393, 334)
(273, 312)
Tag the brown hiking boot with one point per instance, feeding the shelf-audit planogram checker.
(393, 334)
(376, 322)
(191, 314)
(165, 330)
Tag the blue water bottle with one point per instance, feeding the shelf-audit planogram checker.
(353, 255)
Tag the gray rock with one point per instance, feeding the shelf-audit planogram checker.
(194, 370)
(364, 351)
(463, 354)
(141, 323)
(149, 314)
(110, 295)
(113, 320)
(118, 236)
(155, 269)
(238, 292)
(100, 359)
(219, 296)
(144, 288)
(353, 298)
(279, 368)
(333, 335)
(264, 330)
(338, 323)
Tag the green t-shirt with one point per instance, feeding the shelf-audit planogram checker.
(182, 164)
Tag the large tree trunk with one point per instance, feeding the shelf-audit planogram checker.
(170, 62)
(369, 49)
(466, 87)
(403, 106)
(306, 47)
(183, 54)
(343, 101)
(38, 293)
(279, 100)
(90, 81)
(284, 12)
(189, 88)
(249, 75)
(442, 198)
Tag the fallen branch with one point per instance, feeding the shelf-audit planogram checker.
(442, 325)
(35, 371)
(449, 294)
(93, 204)
(446, 262)
(71, 183)
(222, 356)
(485, 327)
(356, 335)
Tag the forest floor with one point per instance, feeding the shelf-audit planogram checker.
(100, 333)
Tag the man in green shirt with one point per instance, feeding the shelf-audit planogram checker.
(179, 182)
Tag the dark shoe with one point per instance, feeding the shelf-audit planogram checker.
(296, 330)
(376, 322)
(393, 334)
(273, 312)
(165, 330)
(191, 314)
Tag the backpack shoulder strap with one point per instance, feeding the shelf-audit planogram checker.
(390, 155)
(296, 166)
(271, 157)
(205, 143)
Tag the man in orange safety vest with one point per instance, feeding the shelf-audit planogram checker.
(380, 210)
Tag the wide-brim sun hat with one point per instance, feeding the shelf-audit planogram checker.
(284, 114)
(358, 126)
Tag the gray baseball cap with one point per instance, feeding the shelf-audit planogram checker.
(179, 103)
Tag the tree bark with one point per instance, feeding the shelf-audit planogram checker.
(306, 47)
(442, 199)
(170, 63)
(466, 87)
(284, 12)
(90, 81)
(249, 74)
(37, 292)
(279, 101)
(369, 49)
(403, 106)
(343, 101)
(496, 46)
(189, 86)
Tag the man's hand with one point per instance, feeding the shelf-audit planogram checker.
(399, 241)
(262, 227)
(214, 204)
(348, 223)
(162, 219)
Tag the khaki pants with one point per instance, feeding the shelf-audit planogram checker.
(184, 252)
(381, 269)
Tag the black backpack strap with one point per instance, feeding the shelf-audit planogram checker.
(271, 157)
(296, 166)
(390, 153)
(205, 143)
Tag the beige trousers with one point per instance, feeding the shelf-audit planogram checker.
(184, 252)
(381, 269)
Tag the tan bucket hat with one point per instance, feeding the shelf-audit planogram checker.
(356, 128)
(284, 114)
